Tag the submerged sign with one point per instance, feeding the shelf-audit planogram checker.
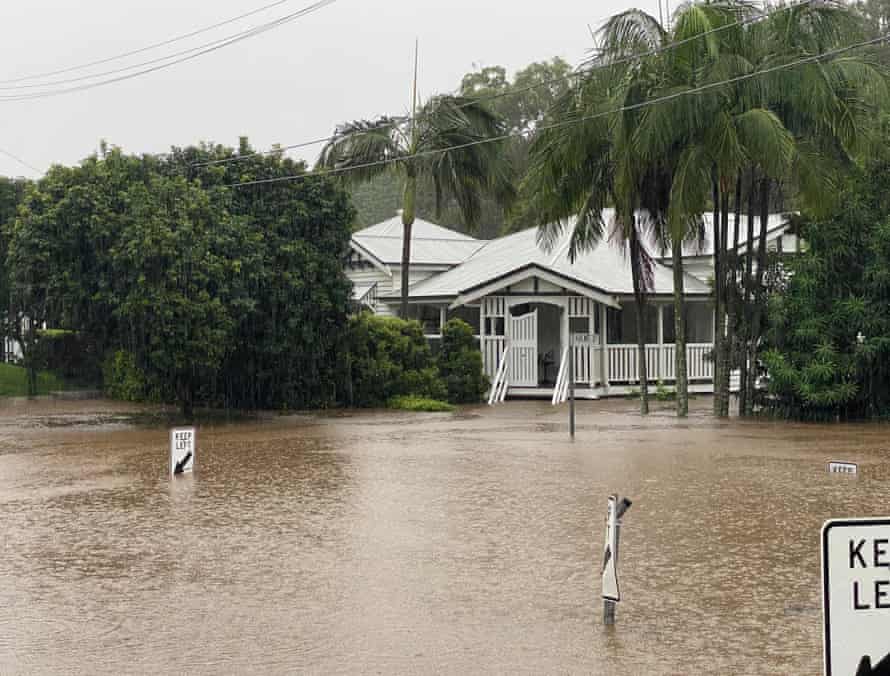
(843, 468)
(856, 596)
(182, 450)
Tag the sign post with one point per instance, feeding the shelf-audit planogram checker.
(856, 597)
(182, 450)
(578, 340)
(611, 593)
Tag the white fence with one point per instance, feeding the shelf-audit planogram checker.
(623, 362)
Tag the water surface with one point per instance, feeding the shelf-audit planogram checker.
(387, 542)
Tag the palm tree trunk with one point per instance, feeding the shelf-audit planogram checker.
(718, 297)
(732, 292)
(409, 205)
(723, 364)
(759, 292)
(680, 331)
(636, 267)
(746, 396)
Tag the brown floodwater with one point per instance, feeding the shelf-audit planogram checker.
(383, 542)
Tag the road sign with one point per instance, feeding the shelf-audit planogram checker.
(843, 468)
(610, 553)
(856, 596)
(182, 450)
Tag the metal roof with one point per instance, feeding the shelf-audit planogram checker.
(430, 244)
(604, 268)
(776, 225)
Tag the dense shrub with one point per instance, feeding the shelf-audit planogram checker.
(386, 358)
(414, 403)
(124, 380)
(460, 364)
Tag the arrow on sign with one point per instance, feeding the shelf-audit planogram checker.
(180, 466)
(882, 668)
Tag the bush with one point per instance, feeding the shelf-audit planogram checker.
(460, 364)
(122, 378)
(388, 357)
(419, 404)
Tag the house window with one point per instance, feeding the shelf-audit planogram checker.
(468, 314)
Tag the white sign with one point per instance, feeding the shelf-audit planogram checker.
(856, 596)
(843, 468)
(182, 450)
(582, 339)
(610, 554)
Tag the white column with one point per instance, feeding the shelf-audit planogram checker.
(661, 342)
(604, 345)
(443, 319)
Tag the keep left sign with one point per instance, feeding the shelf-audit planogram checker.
(856, 596)
(182, 450)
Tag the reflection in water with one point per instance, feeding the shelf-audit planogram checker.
(389, 542)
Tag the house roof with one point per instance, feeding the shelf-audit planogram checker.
(430, 244)
(777, 224)
(603, 268)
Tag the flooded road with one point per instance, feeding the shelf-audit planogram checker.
(388, 542)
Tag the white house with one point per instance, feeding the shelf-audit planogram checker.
(525, 304)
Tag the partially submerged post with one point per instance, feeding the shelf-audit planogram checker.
(611, 594)
(572, 391)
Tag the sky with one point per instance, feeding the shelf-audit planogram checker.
(350, 60)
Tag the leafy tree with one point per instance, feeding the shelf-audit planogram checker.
(828, 343)
(414, 148)
(293, 295)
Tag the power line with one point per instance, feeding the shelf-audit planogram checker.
(20, 161)
(160, 59)
(156, 45)
(190, 54)
(566, 123)
(515, 92)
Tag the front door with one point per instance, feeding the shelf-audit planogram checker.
(524, 350)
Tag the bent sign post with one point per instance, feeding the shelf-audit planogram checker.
(856, 596)
(182, 450)
(611, 593)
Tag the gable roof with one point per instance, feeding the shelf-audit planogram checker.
(431, 244)
(604, 268)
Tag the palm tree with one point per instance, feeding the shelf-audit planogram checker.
(582, 161)
(452, 141)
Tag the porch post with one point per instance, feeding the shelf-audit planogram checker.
(482, 339)
(443, 319)
(604, 346)
(661, 342)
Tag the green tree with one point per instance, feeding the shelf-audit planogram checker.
(417, 148)
(828, 342)
(175, 264)
(293, 295)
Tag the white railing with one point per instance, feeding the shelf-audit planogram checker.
(493, 353)
(699, 362)
(561, 390)
(623, 362)
(584, 367)
(501, 380)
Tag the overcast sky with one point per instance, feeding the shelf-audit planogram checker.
(350, 60)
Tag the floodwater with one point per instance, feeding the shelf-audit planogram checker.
(388, 542)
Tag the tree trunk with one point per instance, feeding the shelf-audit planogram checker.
(759, 292)
(408, 211)
(732, 293)
(636, 263)
(723, 365)
(680, 331)
(718, 297)
(746, 396)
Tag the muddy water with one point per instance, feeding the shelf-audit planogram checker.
(397, 543)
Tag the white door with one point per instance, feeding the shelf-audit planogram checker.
(524, 350)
